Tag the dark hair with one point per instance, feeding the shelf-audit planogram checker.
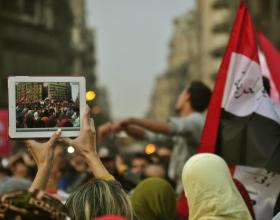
(200, 95)
(141, 156)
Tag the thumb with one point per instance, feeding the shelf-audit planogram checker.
(54, 137)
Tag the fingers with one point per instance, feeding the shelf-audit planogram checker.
(67, 141)
(86, 117)
(54, 137)
(92, 125)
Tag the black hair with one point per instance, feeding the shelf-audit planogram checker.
(200, 95)
(141, 156)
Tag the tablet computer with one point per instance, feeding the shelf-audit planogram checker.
(38, 106)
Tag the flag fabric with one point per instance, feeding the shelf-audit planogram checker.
(263, 188)
(274, 94)
(242, 124)
(5, 146)
(270, 59)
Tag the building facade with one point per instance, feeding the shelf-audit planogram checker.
(34, 40)
(169, 84)
(59, 92)
(29, 92)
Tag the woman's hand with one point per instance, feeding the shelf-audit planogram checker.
(43, 153)
(85, 143)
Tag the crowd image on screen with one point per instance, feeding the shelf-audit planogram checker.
(47, 113)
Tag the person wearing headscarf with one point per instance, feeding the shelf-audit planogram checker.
(31, 205)
(211, 192)
(154, 199)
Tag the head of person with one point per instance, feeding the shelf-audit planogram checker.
(210, 189)
(108, 159)
(155, 170)
(139, 162)
(197, 96)
(164, 154)
(98, 198)
(154, 199)
(21, 170)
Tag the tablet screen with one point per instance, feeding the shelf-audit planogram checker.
(46, 106)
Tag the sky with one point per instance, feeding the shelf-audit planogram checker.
(132, 39)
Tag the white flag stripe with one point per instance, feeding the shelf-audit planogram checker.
(244, 92)
(261, 186)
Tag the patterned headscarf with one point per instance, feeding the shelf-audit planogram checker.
(29, 205)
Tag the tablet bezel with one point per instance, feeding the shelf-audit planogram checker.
(13, 133)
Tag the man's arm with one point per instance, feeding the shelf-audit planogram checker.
(140, 133)
(152, 125)
(135, 132)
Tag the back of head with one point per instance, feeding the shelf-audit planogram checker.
(200, 95)
(154, 198)
(210, 190)
(98, 198)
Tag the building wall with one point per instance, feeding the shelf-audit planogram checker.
(214, 18)
(59, 91)
(168, 86)
(29, 92)
(34, 40)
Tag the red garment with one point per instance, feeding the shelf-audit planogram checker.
(182, 206)
(245, 196)
(110, 217)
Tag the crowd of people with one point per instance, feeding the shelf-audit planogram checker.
(47, 113)
(174, 183)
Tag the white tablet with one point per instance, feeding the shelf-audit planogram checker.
(38, 106)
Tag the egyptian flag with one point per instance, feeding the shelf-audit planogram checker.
(242, 124)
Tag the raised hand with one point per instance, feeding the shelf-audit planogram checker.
(85, 143)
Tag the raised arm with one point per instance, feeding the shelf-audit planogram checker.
(43, 154)
(85, 144)
(152, 125)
